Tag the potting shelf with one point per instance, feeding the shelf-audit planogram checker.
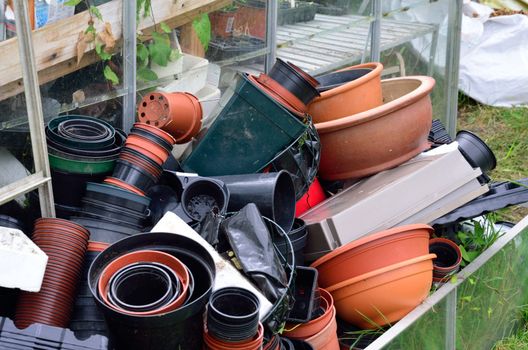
(331, 42)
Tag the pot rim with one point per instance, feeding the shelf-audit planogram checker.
(379, 272)
(376, 67)
(423, 90)
(453, 245)
(367, 239)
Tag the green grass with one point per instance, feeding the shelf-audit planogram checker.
(505, 130)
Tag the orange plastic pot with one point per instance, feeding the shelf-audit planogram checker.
(178, 113)
(373, 252)
(326, 339)
(144, 256)
(148, 148)
(94, 246)
(118, 183)
(385, 295)
(350, 98)
(281, 94)
(277, 97)
(312, 327)
(156, 131)
(366, 143)
(255, 343)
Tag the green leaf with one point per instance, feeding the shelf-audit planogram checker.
(99, 48)
(202, 27)
(95, 11)
(165, 27)
(146, 74)
(454, 279)
(174, 55)
(72, 3)
(142, 55)
(90, 29)
(160, 49)
(110, 75)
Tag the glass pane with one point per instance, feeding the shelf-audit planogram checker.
(414, 42)
(428, 332)
(492, 300)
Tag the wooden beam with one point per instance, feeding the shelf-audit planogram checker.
(55, 44)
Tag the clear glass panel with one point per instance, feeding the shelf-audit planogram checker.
(491, 301)
(414, 42)
(426, 333)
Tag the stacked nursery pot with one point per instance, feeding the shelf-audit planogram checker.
(80, 149)
(367, 125)
(65, 244)
(321, 330)
(448, 258)
(119, 207)
(152, 289)
(360, 275)
(233, 320)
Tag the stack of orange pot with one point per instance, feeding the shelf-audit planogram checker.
(361, 274)
(320, 332)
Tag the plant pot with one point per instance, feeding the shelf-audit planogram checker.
(281, 94)
(310, 199)
(251, 17)
(305, 296)
(326, 339)
(106, 231)
(233, 315)
(123, 185)
(147, 147)
(298, 237)
(156, 131)
(267, 127)
(108, 211)
(356, 96)
(294, 80)
(117, 196)
(134, 175)
(69, 188)
(333, 80)
(254, 343)
(273, 193)
(178, 113)
(400, 127)
(181, 328)
(448, 258)
(67, 131)
(476, 152)
(76, 153)
(80, 167)
(222, 23)
(363, 300)
(373, 252)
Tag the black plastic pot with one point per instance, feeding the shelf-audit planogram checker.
(476, 152)
(293, 81)
(233, 314)
(109, 211)
(8, 221)
(117, 196)
(76, 140)
(298, 237)
(304, 295)
(66, 211)
(105, 231)
(333, 80)
(179, 329)
(108, 151)
(69, 188)
(152, 137)
(134, 175)
(273, 193)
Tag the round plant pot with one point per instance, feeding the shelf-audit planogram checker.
(355, 96)
(293, 81)
(476, 152)
(298, 237)
(204, 196)
(364, 300)
(448, 258)
(326, 339)
(281, 94)
(383, 137)
(117, 196)
(316, 325)
(373, 252)
(233, 314)
(123, 185)
(178, 113)
(333, 80)
(156, 131)
(149, 148)
(255, 343)
(134, 175)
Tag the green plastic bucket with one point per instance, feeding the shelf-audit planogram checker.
(250, 129)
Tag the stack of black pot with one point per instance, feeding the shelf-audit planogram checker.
(81, 149)
(118, 207)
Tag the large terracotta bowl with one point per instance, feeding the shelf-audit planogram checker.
(373, 252)
(353, 97)
(380, 138)
(384, 296)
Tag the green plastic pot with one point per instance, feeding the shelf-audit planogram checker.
(80, 167)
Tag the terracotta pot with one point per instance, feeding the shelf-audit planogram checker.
(385, 295)
(252, 344)
(178, 113)
(222, 23)
(251, 19)
(448, 258)
(373, 252)
(148, 148)
(312, 327)
(381, 138)
(326, 339)
(275, 96)
(356, 96)
(144, 256)
(281, 94)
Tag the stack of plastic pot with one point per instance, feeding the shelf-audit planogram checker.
(361, 274)
(321, 330)
(119, 207)
(80, 149)
(87, 319)
(152, 289)
(256, 119)
(65, 243)
(233, 321)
